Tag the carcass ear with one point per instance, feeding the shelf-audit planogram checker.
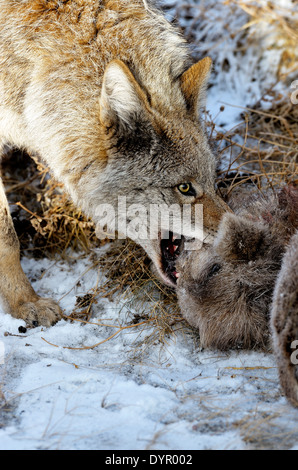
(240, 239)
(122, 100)
(194, 83)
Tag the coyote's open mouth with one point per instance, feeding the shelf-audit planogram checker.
(171, 248)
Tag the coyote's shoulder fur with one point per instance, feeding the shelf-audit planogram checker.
(87, 35)
(106, 93)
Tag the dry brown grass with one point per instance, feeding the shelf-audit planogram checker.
(283, 23)
(45, 219)
(264, 147)
(126, 277)
(59, 222)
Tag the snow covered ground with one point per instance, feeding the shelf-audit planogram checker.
(169, 397)
(126, 394)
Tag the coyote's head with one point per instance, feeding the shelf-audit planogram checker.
(157, 156)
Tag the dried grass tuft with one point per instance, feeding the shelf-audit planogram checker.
(129, 274)
(129, 280)
(263, 150)
(59, 222)
(283, 24)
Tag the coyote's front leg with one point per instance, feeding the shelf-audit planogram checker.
(18, 296)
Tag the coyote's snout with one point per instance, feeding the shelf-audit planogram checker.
(105, 92)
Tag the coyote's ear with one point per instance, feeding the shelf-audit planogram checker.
(122, 99)
(194, 83)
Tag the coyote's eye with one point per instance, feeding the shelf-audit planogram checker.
(186, 189)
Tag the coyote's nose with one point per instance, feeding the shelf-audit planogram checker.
(213, 209)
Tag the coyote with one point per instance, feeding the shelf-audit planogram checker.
(106, 93)
(243, 290)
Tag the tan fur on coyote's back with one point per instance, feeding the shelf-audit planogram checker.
(106, 93)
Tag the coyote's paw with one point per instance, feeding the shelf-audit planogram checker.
(45, 312)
